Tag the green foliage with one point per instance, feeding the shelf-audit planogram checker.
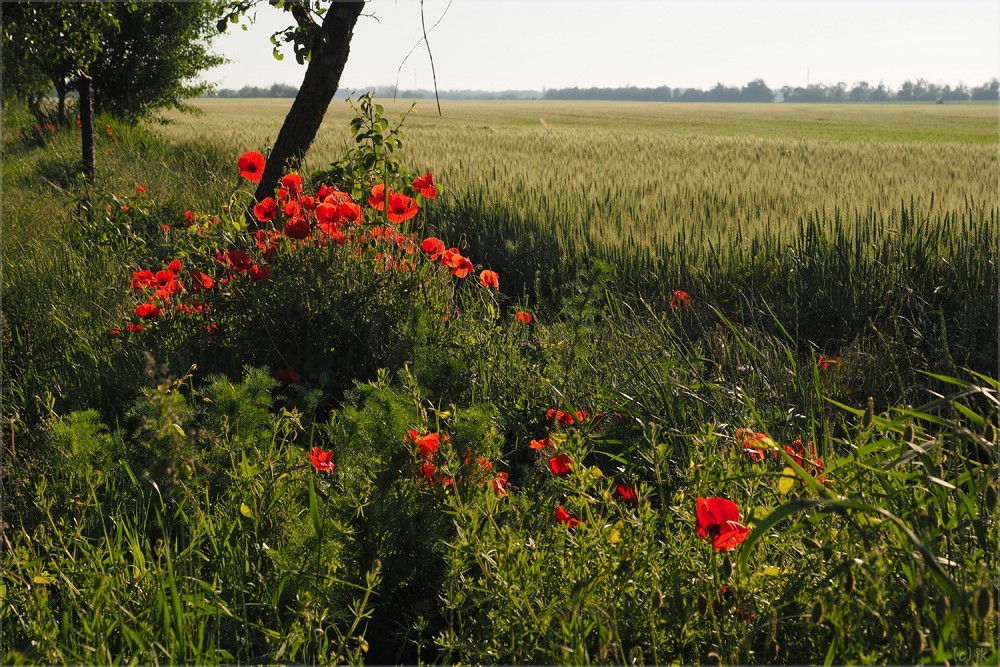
(142, 56)
(452, 481)
(374, 159)
(154, 59)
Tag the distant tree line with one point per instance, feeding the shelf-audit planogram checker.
(920, 90)
(758, 91)
(285, 90)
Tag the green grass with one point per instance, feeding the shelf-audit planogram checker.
(161, 507)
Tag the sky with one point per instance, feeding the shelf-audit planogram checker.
(536, 44)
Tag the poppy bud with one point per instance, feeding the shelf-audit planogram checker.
(849, 581)
(920, 596)
(811, 543)
(983, 599)
(866, 421)
(990, 434)
(991, 496)
(941, 606)
(817, 613)
(702, 605)
(727, 568)
(917, 642)
(908, 433)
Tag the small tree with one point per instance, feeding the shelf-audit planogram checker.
(153, 59)
(46, 45)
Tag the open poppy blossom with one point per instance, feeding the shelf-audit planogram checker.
(560, 465)
(251, 166)
(490, 279)
(565, 518)
(322, 460)
(201, 281)
(565, 418)
(499, 483)
(523, 317)
(826, 363)
(539, 444)
(350, 212)
(288, 376)
(427, 445)
(297, 228)
(460, 266)
(265, 209)
(377, 198)
(680, 299)
(425, 185)
(147, 311)
(433, 246)
(292, 183)
(401, 208)
(258, 273)
(626, 492)
(720, 518)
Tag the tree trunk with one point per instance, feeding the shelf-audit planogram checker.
(62, 87)
(322, 77)
(87, 124)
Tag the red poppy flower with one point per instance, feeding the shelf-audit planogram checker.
(251, 166)
(142, 279)
(796, 451)
(425, 185)
(401, 208)
(350, 212)
(523, 317)
(754, 455)
(377, 199)
(680, 299)
(564, 517)
(141, 188)
(133, 328)
(720, 518)
(147, 311)
(625, 492)
(174, 267)
(427, 445)
(539, 444)
(490, 279)
(433, 246)
(297, 228)
(239, 260)
(201, 281)
(292, 183)
(750, 439)
(265, 209)
(563, 418)
(460, 266)
(322, 460)
(189, 216)
(258, 273)
(560, 465)
(114, 331)
(288, 376)
(826, 363)
(427, 469)
(499, 484)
